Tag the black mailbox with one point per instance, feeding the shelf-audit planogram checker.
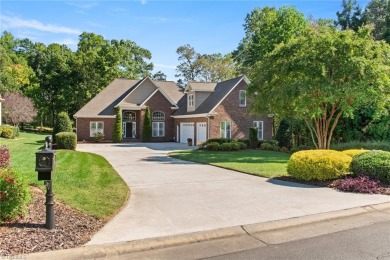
(44, 164)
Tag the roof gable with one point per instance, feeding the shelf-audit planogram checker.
(221, 91)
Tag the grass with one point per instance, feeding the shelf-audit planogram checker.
(84, 181)
(256, 162)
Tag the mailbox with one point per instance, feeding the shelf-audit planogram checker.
(44, 164)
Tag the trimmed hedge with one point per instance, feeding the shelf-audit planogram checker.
(229, 146)
(354, 152)
(380, 145)
(66, 140)
(318, 165)
(14, 194)
(62, 124)
(374, 164)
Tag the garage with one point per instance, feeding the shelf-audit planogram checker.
(186, 131)
(201, 132)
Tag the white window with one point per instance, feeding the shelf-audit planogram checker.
(259, 126)
(191, 100)
(128, 116)
(226, 129)
(158, 116)
(158, 129)
(95, 128)
(242, 98)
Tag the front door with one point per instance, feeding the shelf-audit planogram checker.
(129, 129)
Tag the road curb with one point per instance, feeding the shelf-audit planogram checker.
(115, 249)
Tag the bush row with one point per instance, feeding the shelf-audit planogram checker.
(228, 146)
(383, 145)
(9, 132)
(331, 164)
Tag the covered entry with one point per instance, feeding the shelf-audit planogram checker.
(129, 124)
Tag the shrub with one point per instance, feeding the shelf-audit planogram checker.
(218, 140)
(147, 130)
(66, 140)
(375, 164)
(62, 124)
(253, 140)
(14, 194)
(117, 134)
(360, 184)
(4, 156)
(266, 146)
(245, 141)
(353, 152)
(242, 145)
(7, 132)
(98, 137)
(383, 145)
(213, 146)
(318, 165)
(15, 131)
(284, 134)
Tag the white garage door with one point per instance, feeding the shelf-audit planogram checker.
(186, 131)
(201, 132)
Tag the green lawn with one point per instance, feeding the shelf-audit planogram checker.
(257, 162)
(84, 181)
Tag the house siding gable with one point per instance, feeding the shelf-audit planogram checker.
(141, 93)
(230, 110)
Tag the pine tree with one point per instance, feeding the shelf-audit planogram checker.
(147, 130)
(117, 134)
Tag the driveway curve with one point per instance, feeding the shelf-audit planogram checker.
(171, 197)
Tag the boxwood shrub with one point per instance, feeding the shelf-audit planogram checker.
(374, 164)
(318, 165)
(66, 140)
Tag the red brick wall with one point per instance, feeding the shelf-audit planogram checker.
(158, 102)
(229, 110)
(83, 128)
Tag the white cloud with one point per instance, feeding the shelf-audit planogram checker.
(67, 41)
(164, 66)
(16, 22)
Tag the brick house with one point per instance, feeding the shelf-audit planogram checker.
(200, 112)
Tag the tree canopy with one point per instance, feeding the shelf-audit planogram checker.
(321, 75)
(264, 29)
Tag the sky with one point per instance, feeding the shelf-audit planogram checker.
(157, 25)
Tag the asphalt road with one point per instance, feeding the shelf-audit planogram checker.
(368, 242)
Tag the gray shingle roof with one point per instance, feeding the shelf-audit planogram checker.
(103, 104)
(220, 91)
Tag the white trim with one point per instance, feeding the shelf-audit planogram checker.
(262, 129)
(192, 116)
(154, 123)
(230, 132)
(242, 78)
(162, 92)
(192, 99)
(91, 133)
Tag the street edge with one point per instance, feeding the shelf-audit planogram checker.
(114, 249)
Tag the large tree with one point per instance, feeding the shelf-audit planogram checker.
(375, 13)
(264, 29)
(350, 17)
(199, 67)
(321, 75)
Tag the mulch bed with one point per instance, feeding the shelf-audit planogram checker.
(28, 234)
(384, 189)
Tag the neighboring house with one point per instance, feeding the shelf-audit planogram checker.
(202, 111)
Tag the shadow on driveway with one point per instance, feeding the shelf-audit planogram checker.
(291, 184)
(169, 146)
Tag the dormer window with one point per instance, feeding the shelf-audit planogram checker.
(191, 100)
(242, 98)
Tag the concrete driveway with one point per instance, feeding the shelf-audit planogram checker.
(170, 196)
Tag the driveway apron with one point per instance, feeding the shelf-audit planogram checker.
(171, 197)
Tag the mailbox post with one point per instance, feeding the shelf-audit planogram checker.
(44, 165)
